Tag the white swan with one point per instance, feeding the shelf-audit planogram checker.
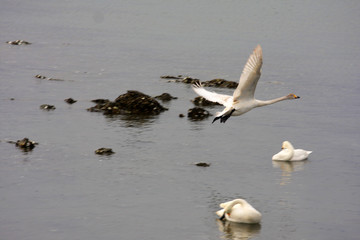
(242, 99)
(288, 153)
(240, 211)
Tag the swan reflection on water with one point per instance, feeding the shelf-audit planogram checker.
(235, 231)
(287, 168)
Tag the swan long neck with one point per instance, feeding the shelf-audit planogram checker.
(233, 203)
(272, 101)
(288, 145)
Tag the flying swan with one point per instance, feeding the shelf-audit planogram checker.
(288, 153)
(242, 99)
(240, 211)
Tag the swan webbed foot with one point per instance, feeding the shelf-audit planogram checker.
(225, 117)
(216, 119)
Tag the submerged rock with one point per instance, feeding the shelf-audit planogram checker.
(18, 42)
(172, 77)
(180, 78)
(132, 102)
(139, 103)
(165, 97)
(198, 113)
(104, 151)
(25, 144)
(70, 101)
(190, 80)
(47, 107)
(100, 101)
(220, 83)
(200, 101)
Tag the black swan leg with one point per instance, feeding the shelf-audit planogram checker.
(216, 119)
(226, 117)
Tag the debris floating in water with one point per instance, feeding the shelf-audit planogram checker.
(25, 144)
(104, 151)
(48, 78)
(70, 100)
(18, 42)
(202, 164)
(47, 107)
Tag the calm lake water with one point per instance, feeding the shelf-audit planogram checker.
(150, 188)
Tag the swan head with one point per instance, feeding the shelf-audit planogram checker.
(292, 96)
(286, 153)
(287, 145)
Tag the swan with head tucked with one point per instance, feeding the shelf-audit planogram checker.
(240, 211)
(288, 153)
(242, 99)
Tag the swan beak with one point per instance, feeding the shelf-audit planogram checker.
(296, 97)
(222, 217)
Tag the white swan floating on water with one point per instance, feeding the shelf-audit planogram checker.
(242, 99)
(240, 211)
(288, 153)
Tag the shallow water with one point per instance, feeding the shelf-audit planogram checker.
(150, 188)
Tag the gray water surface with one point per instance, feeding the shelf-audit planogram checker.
(150, 189)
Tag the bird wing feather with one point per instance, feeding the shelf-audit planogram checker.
(250, 76)
(211, 96)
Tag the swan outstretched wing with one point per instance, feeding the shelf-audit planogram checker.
(250, 76)
(211, 96)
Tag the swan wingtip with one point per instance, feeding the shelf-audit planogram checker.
(258, 48)
(197, 84)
